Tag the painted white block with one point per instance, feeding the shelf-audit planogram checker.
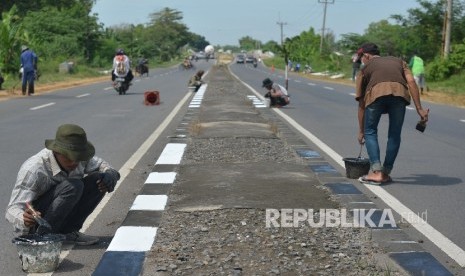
(133, 239)
(161, 178)
(172, 154)
(149, 203)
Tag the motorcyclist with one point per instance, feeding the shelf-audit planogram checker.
(122, 67)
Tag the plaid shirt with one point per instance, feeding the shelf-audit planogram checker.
(38, 174)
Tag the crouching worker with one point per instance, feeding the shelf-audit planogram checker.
(196, 80)
(64, 183)
(278, 95)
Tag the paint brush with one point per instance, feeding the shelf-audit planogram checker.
(42, 222)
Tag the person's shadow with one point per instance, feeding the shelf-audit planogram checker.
(427, 180)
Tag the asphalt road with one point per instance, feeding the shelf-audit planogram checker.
(116, 125)
(429, 175)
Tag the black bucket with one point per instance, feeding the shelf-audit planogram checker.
(356, 167)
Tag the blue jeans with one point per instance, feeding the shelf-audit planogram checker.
(395, 108)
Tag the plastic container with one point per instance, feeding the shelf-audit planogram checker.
(39, 254)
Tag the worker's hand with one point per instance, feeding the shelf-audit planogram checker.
(361, 138)
(28, 218)
(424, 114)
(106, 183)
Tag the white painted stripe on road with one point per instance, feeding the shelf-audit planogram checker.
(83, 95)
(41, 106)
(171, 155)
(441, 241)
(108, 88)
(133, 239)
(352, 94)
(161, 178)
(329, 88)
(463, 120)
(409, 107)
(311, 84)
(149, 203)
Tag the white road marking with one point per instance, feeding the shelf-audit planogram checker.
(463, 120)
(83, 95)
(108, 88)
(409, 107)
(441, 241)
(149, 203)
(329, 88)
(171, 154)
(311, 84)
(133, 239)
(124, 172)
(161, 178)
(41, 106)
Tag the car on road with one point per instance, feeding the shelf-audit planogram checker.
(249, 59)
(240, 59)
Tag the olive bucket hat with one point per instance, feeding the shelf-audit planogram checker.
(71, 141)
(267, 82)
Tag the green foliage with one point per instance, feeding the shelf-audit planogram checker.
(441, 69)
(11, 35)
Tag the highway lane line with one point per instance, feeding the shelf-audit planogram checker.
(83, 95)
(126, 169)
(327, 87)
(41, 106)
(441, 241)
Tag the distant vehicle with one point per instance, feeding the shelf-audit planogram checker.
(249, 59)
(240, 59)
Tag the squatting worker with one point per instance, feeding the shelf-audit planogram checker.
(64, 182)
(196, 80)
(278, 94)
(384, 85)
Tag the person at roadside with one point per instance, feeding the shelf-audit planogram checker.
(418, 70)
(356, 63)
(196, 80)
(64, 182)
(28, 60)
(385, 85)
(278, 94)
(122, 67)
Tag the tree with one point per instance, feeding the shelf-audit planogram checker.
(11, 35)
(167, 33)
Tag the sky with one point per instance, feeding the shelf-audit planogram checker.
(225, 22)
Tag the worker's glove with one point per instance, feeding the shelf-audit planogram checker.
(108, 180)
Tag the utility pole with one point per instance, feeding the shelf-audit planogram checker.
(447, 20)
(281, 24)
(326, 2)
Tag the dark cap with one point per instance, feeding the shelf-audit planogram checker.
(368, 48)
(267, 82)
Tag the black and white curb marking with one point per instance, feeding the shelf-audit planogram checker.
(126, 253)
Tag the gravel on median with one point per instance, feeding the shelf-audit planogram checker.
(238, 241)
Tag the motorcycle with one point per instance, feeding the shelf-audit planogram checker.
(255, 64)
(120, 85)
